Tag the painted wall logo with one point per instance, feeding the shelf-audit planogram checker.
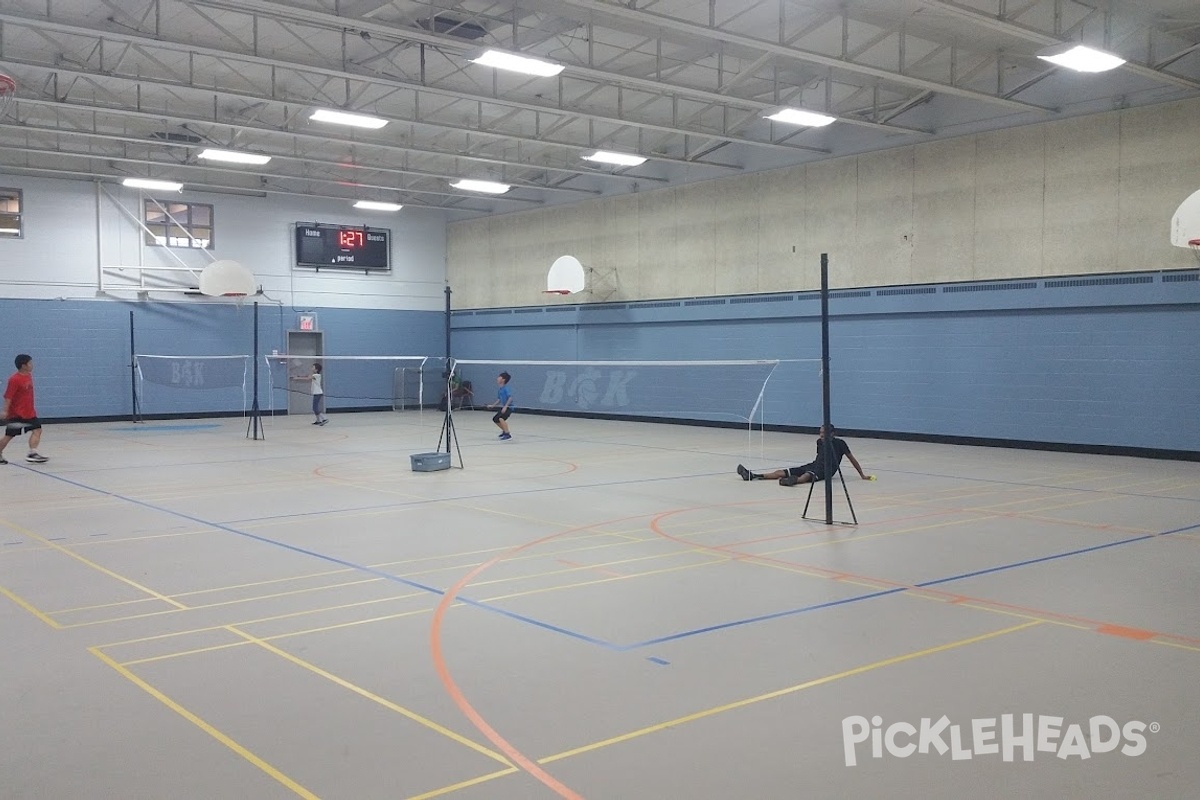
(591, 388)
(1100, 734)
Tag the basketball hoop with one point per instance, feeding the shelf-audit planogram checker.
(1195, 245)
(8, 93)
(563, 292)
(227, 278)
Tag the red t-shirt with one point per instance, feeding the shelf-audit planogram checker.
(19, 395)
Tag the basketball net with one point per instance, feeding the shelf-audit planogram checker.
(8, 93)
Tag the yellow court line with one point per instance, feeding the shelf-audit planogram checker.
(864, 537)
(661, 726)
(275, 637)
(785, 691)
(374, 698)
(445, 790)
(274, 618)
(98, 606)
(103, 570)
(206, 727)
(30, 607)
(603, 580)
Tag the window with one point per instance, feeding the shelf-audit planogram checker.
(170, 223)
(10, 214)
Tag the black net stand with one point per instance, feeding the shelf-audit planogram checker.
(448, 433)
(135, 415)
(827, 453)
(254, 427)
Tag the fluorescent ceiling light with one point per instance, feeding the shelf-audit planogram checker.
(487, 187)
(514, 63)
(372, 205)
(346, 118)
(233, 157)
(796, 116)
(620, 159)
(146, 183)
(1081, 58)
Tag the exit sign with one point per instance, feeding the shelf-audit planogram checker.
(308, 322)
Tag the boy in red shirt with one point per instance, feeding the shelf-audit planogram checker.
(19, 414)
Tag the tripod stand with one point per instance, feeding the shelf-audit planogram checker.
(448, 432)
(853, 516)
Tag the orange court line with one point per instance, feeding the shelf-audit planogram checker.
(953, 597)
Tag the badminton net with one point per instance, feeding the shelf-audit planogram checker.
(183, 384)
(360, 383)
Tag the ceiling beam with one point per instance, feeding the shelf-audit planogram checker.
(1034, 36)
(661, 21)
(44, 24)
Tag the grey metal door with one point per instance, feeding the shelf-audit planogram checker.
(303, 348)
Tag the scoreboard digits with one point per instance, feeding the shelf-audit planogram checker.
(322, 246)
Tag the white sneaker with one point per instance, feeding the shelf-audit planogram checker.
(35, 458)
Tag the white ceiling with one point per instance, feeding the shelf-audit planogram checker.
(113, 88)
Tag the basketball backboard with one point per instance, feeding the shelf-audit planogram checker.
(566, 276)
(1185, 225)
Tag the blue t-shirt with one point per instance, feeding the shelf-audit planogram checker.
(503, 394)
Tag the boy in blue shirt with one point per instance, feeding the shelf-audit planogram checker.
(504, 400)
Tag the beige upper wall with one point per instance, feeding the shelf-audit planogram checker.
(1083, 195)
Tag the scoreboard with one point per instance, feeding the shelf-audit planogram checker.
(322, 246)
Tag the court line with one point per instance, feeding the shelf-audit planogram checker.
(103, 570)
(330, 559)
(224, 739)
(737, 704)
(1046, 616)
(30, 607)
(369, 695)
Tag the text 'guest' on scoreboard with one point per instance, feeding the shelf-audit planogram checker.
(324, 246)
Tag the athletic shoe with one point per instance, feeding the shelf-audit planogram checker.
(317, 422)
(2, 461)
(322, 422)
(34, 458)
(505, 436)
(789, 480)
(745, 473)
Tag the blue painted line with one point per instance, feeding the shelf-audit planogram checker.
(763, 618)
(97, 534)
(340, 562)
(661, 661)
(161, 428)
(9, 544)
(1181, 530)
(1016, 564)
(57, 539)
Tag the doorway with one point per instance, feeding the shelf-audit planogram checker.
(303, 348)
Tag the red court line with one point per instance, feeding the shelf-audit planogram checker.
(451, 687)
(952, 597)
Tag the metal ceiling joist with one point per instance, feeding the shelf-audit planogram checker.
(1017, 30)
(652, 19)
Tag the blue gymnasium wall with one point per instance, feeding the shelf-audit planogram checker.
(81, 350)
(1105, 361)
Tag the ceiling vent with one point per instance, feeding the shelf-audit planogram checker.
(453, 27)
(177, 138)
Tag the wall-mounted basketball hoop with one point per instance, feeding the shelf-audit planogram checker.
(1185, 225)
(227, 278)
(566, 276)
(8, 93)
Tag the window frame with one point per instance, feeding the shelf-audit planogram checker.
(170, 221)
(19, 196)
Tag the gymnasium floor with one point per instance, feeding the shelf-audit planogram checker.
(594, 609)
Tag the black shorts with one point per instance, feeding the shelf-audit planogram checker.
(502, 415)
(15, 427)
(817, 470)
